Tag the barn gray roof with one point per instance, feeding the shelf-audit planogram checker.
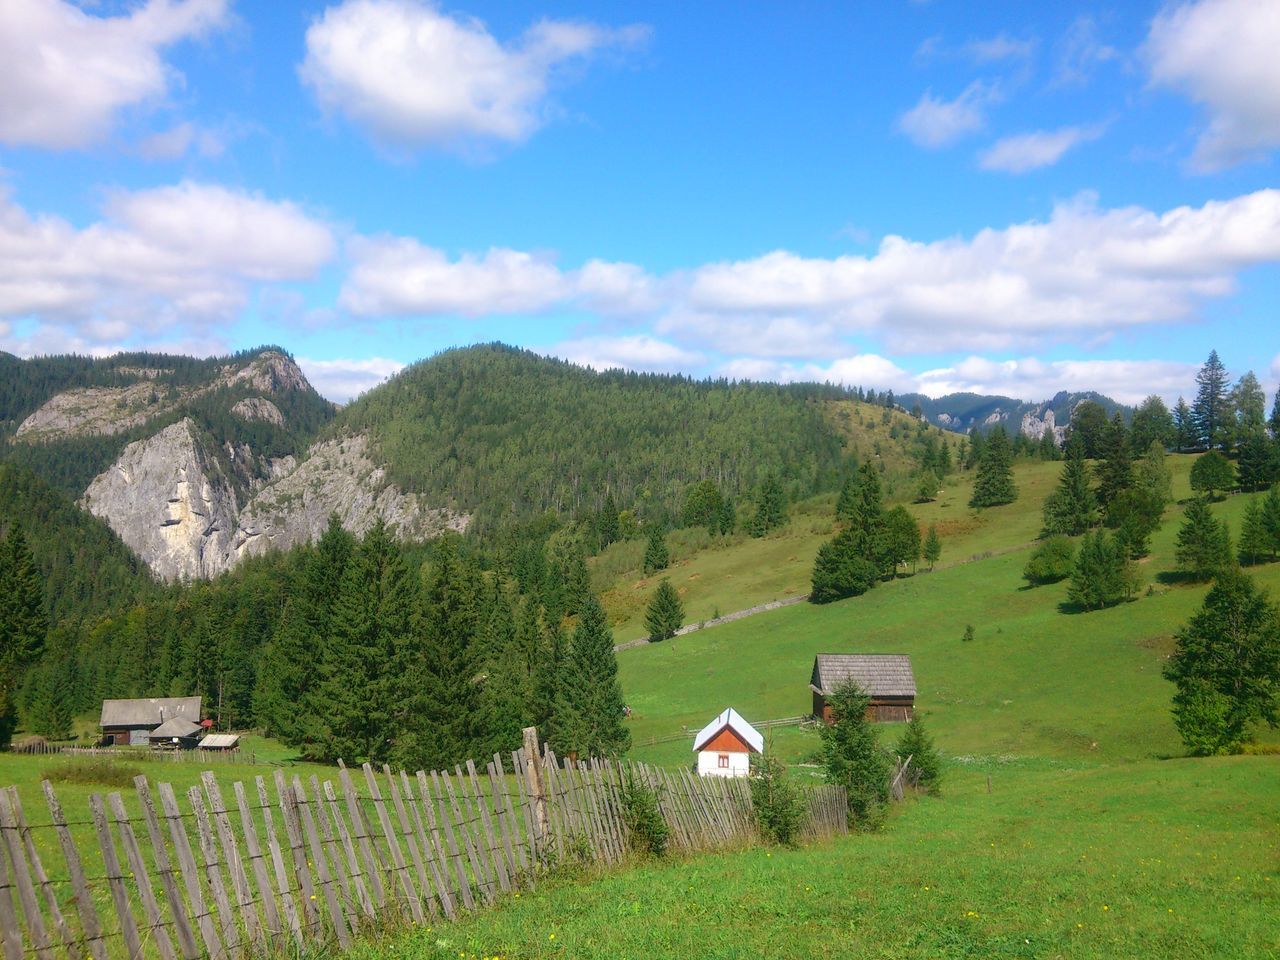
(148, 713)
(177, 727)
(879, 674)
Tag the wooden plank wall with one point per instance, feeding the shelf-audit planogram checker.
(282, 864)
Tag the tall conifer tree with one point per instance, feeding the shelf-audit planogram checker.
(994, 485)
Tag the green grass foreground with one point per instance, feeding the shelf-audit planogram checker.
(1174, 858)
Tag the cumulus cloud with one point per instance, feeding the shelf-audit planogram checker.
(344, 379)
(934, 122)
(1031, 151)
(859, 370)
(399, 276)
(66, 74)
(413, 75)
(1086, 271)
(1222, 54)
(169, 259)
(636, 352)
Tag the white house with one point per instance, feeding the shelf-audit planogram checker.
(724, 746)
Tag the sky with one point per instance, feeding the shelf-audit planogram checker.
(928, 195)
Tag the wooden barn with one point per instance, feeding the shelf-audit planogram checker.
(724, 746)
(887, 677)
(131, 722)
(176, 733)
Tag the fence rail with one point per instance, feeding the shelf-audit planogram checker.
(195, 755)
(286, 864)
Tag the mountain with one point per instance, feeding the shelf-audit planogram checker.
(198, 464)
(967, 412)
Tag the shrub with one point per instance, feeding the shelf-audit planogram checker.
(968, 632)
(647, 831)
(99, 771)
(1052, 561)
(776, 800)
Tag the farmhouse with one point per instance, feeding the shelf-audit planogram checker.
(131, 722)
(887, 677)
(724, 746)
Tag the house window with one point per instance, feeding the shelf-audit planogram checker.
(722, 761)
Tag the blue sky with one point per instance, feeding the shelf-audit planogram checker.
(1003, 197)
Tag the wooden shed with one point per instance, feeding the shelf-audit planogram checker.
(887, 677)
(130, 722)
(177, 733)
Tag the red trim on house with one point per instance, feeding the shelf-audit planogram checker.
(727, 741)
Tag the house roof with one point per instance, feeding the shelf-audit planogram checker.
(732, 720)
(176, 727)
(220, 741)
(879, 674)
(148, 713)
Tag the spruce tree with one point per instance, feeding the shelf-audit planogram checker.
(770, 509)
(592, 680)
(1257, 466)
(1071, 509)
(1246, 412)
(926, 762)
(1186, 435)
(1274, 422)
(665, 614)
(1103, 574)
(1152, 423)
(1152, 473)
(1115, 472)
(728, 520)
(1204, 547)
(607, 525)
(840, 570)
(1211, 407)
(851, 756)
(994, 485)
(1271, 521)
(902, 538)
(656, 555)
(932, 546)
(442, 664)
(1089, 421)
(1254, 542)
(1224, 665)
(23, 627)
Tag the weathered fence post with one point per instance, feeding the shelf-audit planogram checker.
(537, 786)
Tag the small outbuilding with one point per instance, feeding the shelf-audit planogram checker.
(724, 746)
(887, 677)
(131, 722)
(220, 741)
(178, 733)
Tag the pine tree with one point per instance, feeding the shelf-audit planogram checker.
(1254, 542)
(1274, 422)
(548, 665)
(23, 627)
(592, 680)
(1103, 574)
(607, 525)
(1204, 547)
(728, 520)
(1047, 450)
(932, 546)
(1224, 665)
(665, 614)
(1152, 423)
(994, 485)
(1212, 404)
(1115, 472)
(927, 486)
(840, 570)
(1257, 465)
(1071, 509)
(656, 555)
(944, 459)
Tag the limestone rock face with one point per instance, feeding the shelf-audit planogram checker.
(268, 372)
(258, 408)
(92, 411)
(168, 499)
(338, 476)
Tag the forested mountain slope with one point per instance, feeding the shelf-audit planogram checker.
(505, 434)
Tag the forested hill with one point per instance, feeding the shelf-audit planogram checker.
(503, 433)
(966, 412)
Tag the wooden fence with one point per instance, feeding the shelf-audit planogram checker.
(143, 754)
(284, 864)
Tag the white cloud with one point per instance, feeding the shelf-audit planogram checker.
(399, 276)
(1000, 47)
(1028, 378)
(345, 379)
(1031, 151)
(1080, 52)
(177, 141)
(935, 123)
(1086, 271)
(637, 352)
(413, 75)
(1222, 53)
(173, 259)
(860, 370)
(66, 74)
